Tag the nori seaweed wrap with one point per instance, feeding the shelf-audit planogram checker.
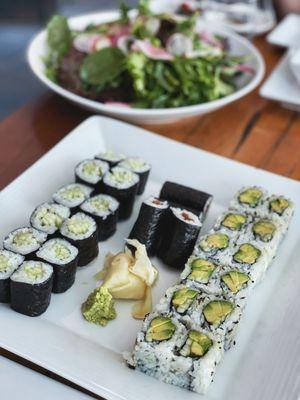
(48, 218)
(64, 258)
(123, 185)
(148, 226)
(81, 231)
(181, 232)
(31, 287)
(185, 197)
(72, 195)
(9, 262)
(104, 209)
(90, 173)
(110, 157)
(25, 241)
(140, 167)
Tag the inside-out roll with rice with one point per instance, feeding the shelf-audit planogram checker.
(9, 263)
(48, 217)
(25, 241)
(90, 172)
(140, 167)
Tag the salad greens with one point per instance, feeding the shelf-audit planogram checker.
(149, 61)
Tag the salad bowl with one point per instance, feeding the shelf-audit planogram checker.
(239, 46)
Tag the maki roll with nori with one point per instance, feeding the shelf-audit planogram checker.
(64, 258)
(25, 241)
(148, 228)
(123, 185)
(81, 231)
(9, 262)
(31, 287)
(185, 197)
(182, 228)
(110, 157)
(104, 209)
(48, 217)
(91, 172)
(72, 195)
(140, 167)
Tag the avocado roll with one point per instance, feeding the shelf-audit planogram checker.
(140, 167)
(235, 283)
(104, 209)
(31, 287)
(25, 241)
(216, 245)
(90, 173)
(280, 209)
(111, 157)
(64, 258)
(9, 263)
(72, 195)
(233, 222)
(122, 184)
(148, 228)
(249, 200)
(182, 229)
(185, 197)
(81, 231)
(48, 217)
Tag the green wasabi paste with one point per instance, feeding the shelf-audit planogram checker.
(99, 307)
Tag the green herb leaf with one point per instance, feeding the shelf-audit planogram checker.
(124, 10)
(59, 35)
(102, 66)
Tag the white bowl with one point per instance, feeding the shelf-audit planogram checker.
(239, 46)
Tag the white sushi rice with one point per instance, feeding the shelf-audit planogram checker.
(101, 205)
(24, 240)
(72, 195)
(135, 164)
(155, 202)
(57, 251)
(91, 171)
(9, 262)
(33, 272)
(48, 217)
(80, 226)
(186, 216)
(110, 156)
(120, 178)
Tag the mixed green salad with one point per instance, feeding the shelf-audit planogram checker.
(146, 61)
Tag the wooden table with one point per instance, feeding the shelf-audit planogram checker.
(252, 130)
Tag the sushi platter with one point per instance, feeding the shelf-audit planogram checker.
(220, 289)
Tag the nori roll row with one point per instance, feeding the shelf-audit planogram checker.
(72, 195)
(140, 167)
(123, 185)
(81, 231)
(91, 172)
(31, 287)
(25, 241)
(185, 197)
(9, 262)
(48, 217)
(148, 226)
(64, 258)
(182, 229)
(104, 209)
(110, 157)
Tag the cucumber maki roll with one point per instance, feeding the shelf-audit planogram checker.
(185, 197)
(123, 185)
(148, 228)
(249, 199)
(140, 167)
(110, 157)
(31, 287)
(72, 195)
(216, 245)
(48, 217)
(25, 241)
(104, 209)
(182, 227)
(81, 231)
(64, 258)
(9, 263)
(90, 173)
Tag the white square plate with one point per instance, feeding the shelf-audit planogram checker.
(263, 365)
(287, 32)
(282, 86)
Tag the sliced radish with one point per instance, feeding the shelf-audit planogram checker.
(151, 51)
(124, 42)
(179, 44)
(85, 42)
